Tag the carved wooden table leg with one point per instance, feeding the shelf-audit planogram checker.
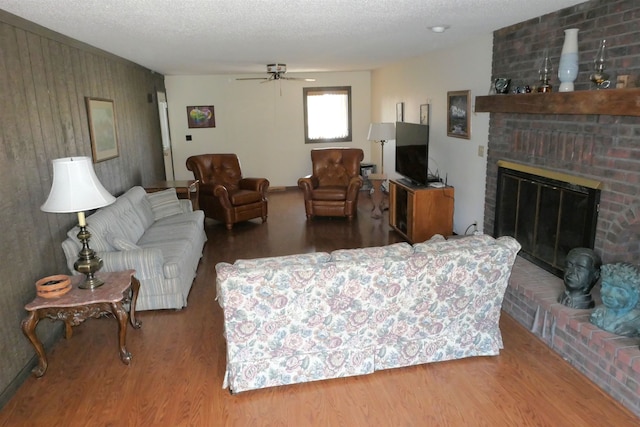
(135, 288)
(376, 182)
(118, 310)
(120, 288)
(29, 329)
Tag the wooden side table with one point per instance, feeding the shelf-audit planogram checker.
(189, 190)
(376, 182)
(77, 305)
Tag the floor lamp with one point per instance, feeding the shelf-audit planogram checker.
(381, 132)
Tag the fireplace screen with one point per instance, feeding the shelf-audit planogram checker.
(548, 215)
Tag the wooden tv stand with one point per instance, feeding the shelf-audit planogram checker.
(417, 213)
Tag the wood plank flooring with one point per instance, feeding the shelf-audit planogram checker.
(175, 377)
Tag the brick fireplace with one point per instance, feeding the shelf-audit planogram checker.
(599, 147)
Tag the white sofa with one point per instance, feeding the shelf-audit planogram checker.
(156, 234)
(315, 316)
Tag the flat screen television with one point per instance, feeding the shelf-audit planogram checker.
(412, 152)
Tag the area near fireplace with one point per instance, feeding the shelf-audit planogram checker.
(549, 213)
(588, 134)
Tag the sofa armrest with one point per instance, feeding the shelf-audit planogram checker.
(147, 262)
(355, 183)
(261, 185)
(307, 184)
(186, 205)
(209, 189)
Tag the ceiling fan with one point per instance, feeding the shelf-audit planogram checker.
(276, 72)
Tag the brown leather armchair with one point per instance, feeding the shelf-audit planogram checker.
(224, 194)
(332, 189)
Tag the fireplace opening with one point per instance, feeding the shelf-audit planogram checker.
(549, 213)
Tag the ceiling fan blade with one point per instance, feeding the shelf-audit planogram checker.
(252, 78)
(299, 79)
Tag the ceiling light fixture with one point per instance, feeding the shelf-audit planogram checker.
(440, 28)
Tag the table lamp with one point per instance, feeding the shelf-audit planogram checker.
(76, 189)
(381, 132)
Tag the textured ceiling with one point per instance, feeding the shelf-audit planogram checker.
(241, 36)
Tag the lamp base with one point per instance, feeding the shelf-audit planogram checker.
(91, 283)
(88, 263)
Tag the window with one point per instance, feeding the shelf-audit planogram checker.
(327, 114)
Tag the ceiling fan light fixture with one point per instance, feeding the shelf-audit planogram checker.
(276, 72)
(276, 68)
(439, 28)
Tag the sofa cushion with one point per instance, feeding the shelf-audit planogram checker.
(438, 245)
(397, 249)
(164, 203)
(122, 243)
(173, 253)
(98, 225)
(138, 198)
(283, 261)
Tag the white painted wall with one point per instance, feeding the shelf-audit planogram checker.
(265, 126)
(428, 78)
(261, 122)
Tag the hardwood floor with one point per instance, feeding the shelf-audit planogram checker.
(175, 377)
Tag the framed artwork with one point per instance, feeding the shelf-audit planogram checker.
(400, 112)
(424, 114)
(102, 128)
(201, 117)
(458, 114)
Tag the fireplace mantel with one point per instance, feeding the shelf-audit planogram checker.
(612, 102)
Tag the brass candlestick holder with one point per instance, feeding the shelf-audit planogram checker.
(544, 72)
(599, 77)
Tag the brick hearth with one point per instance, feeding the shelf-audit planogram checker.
(600, 147)
(610, 361)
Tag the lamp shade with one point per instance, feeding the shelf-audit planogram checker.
(75, 187)
(381, 132)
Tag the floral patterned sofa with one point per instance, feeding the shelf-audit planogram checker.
(316, 316)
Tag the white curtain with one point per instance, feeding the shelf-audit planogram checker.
(328, 115)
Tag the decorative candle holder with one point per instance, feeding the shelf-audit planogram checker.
(599, 77)
(544, 72)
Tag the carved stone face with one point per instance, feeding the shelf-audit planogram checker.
(617, 297)
(579, 273)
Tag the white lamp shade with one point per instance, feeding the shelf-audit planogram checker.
(381, 132)
(75, 187)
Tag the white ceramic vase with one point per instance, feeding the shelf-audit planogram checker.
(568, 67)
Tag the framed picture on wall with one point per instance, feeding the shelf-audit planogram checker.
(424, 114)
(201, 117)
(400, 112)
(458, 114)
(102, 128)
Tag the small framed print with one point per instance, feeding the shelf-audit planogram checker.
(400, 112)
(201, 117)
(458, 114)
(424, 114)
(102, 128)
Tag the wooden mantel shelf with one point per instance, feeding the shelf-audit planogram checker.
(612, 102)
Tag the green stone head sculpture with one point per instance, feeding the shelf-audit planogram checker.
(620, 310)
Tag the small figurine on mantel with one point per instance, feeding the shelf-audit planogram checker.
(581, 272)
(620, 313)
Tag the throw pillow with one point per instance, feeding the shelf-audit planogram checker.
(122, 244)
(164, 203)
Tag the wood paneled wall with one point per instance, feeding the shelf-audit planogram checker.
(44, 78)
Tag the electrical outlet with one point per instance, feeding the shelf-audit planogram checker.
(480, 150)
